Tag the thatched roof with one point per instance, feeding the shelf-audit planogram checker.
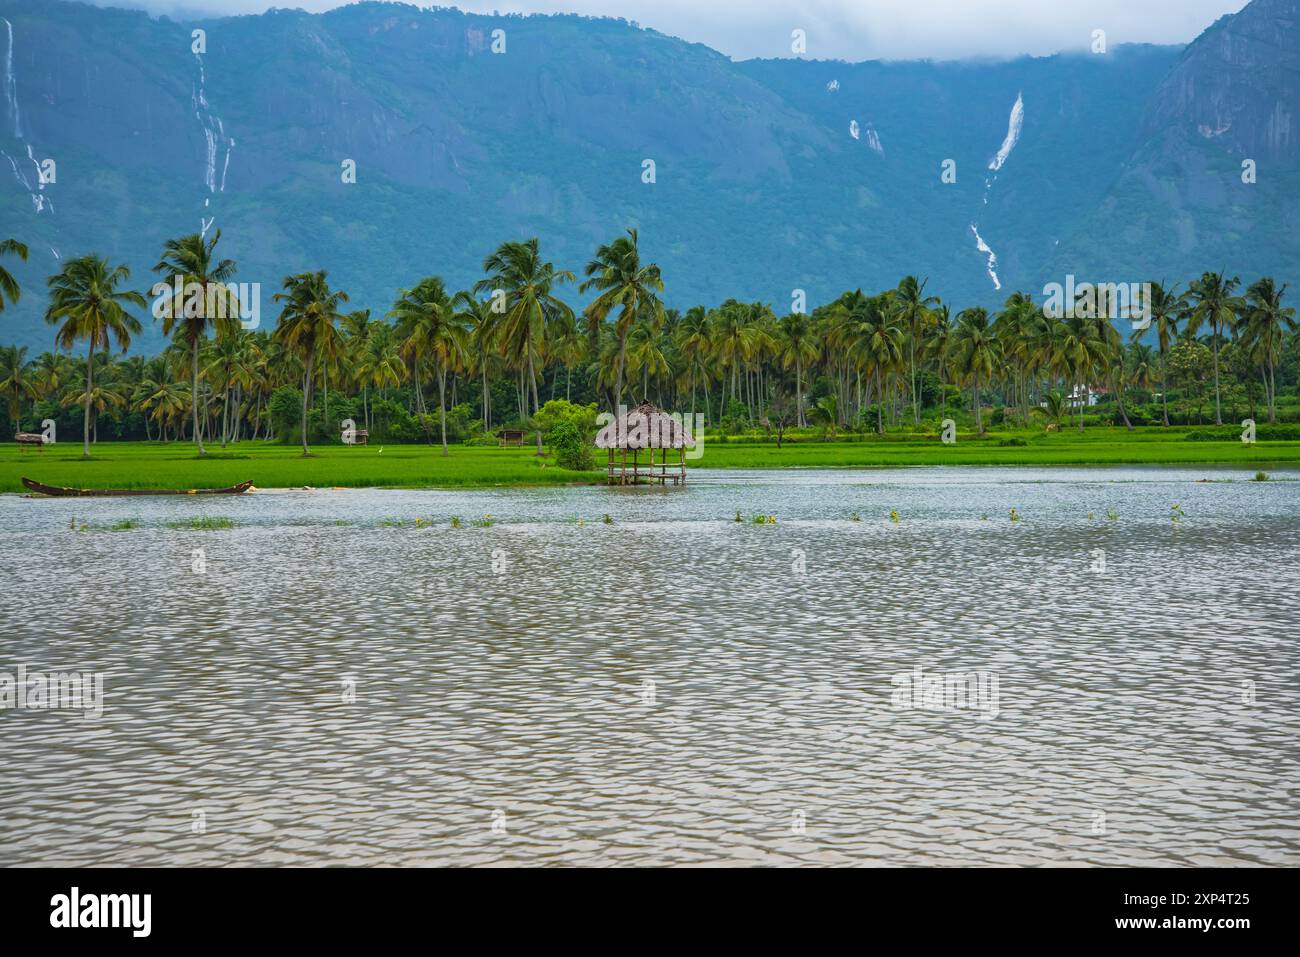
(645, 427)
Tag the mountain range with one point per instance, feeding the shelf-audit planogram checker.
(768, 176)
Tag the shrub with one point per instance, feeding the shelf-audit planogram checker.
(571, 448)
(557, 411)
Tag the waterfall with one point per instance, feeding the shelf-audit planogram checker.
(11, 83)
(214, 141)
(1014, 125)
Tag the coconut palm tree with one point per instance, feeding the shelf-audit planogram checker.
(647, 349)
(912, 311)
(86, 303)
(430, 331)
(734, 341)
(476, 317)
(1078, 352)
(622, 282)
(1015, 326)
(693, 345)
(1212, 301)
(162, 400)
(1168, 308)
(17, 381)
(530, 306)
(795, 347)
(306, 327)
(1055, 406)
(191, 260)
(567, 346)
(878, 345)
(8, 284)
(1267, 322)
(975, 353)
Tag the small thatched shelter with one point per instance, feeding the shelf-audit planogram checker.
(647, 429)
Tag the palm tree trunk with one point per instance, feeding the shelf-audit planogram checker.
(916, 402)
(225, 413)
(618, 377)
(979, 414)
(442, 406)
(306, 397)
(1272, 391)
(194, 395)
(798, 391)
(90, 385)
(880, 405)
(1218, 412)
(1164, 393)
(532, 381)
(1117, 382)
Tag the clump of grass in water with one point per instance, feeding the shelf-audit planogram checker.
(1015, 515)
(855, 517)
(893, 516)
(124, 525)
(1112, 515)
(204, 524)
(764, 519)
(1261, 476)
(455, 521)
(484, 522)
(607, 520)
(1176, 513)
(738, 518)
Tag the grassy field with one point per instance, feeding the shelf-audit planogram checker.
(176, 466)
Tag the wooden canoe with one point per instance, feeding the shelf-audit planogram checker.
(60, 491)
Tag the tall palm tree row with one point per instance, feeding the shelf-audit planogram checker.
(508, 343)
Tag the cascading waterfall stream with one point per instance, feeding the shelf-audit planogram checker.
(214, 139)
(11, 84)
(40, 202)
(1014, 124)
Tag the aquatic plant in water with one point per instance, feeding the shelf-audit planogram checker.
(204, 524)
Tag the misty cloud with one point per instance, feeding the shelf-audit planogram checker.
(844, 29)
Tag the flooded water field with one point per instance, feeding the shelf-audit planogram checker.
(926, 666)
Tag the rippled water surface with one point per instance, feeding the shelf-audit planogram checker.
(671, 687)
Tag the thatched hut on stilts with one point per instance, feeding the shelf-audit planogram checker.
(645, 429)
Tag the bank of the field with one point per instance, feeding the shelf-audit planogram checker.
(177, 466)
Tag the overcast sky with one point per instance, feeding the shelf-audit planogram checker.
(846, 29)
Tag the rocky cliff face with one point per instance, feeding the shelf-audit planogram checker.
(768, 175)
(1238, 85)
(1214, 180)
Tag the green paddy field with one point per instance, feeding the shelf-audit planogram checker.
(177, 466)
